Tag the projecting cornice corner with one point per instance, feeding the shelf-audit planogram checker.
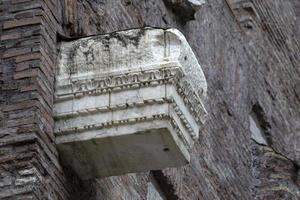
(134, 97)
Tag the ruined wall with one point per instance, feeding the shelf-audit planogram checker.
(249, 51)
(29, 167)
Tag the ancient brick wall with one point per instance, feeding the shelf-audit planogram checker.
(249, 51)
(29, 166)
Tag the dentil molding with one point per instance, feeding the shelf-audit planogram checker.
(128, 101)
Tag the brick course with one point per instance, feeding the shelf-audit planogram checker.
(29, 166)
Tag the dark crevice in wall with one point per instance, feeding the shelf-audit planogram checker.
(279, 154)
(296, 177)
(65, 38)
(274, 172)
(267, 161)
(259, 114)
(81, 189)
(165, 185)
(183, 11)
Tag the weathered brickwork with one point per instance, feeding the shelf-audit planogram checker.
(274, 175)
(249, 51)
(29, 166)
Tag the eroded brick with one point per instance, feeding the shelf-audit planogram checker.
(10, 36)
(22, 22)
(26, 73)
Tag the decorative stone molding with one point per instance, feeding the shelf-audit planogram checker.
(129, 101)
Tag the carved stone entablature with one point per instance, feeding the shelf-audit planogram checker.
(129, 101)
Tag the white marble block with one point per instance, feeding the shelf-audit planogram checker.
(128, 101)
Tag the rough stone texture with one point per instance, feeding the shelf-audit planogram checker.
(249, 51)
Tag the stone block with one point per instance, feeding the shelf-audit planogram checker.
(127, 102)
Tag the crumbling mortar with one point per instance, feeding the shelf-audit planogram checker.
(294, 176)
(276, 152)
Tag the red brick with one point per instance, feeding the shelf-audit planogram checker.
(21, 121)
(21, 105)
(31, 56)
(26, 128)
(15, 52)
(27, 14)
(46, 57)
(26, 65)
(19, 7)
(10, 36)
(22, 156)
(21, 114)
(26, 73)
(19, 1)
(26, 88)
(22, 22)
